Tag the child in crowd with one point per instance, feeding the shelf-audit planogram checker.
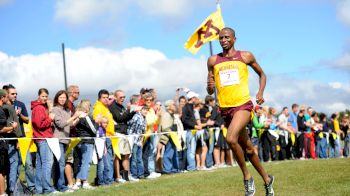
(136, 127)
(102, 164)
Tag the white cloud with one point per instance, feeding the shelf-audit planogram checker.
(343, 62)
(343, 12)
(133, 68)
(80, 12)
(96, 68)
(5, 2)
(328, 98)
(336, 85)
(172, 8)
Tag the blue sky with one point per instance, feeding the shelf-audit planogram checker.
(295, 42)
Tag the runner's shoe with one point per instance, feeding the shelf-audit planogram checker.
(249, 187)
(269, 188)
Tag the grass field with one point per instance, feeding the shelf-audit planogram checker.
(307, 177)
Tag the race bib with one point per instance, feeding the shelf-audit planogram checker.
(229, 77)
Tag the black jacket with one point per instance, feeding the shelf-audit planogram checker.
(188, 119)
(214, 115)
(84, 130)
(121, 116)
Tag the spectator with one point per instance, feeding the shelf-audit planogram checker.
(345, 127)
(86, 127)
(5, 128)
(148, 150)
(42, 128)
(284, 135)
(321, 138)
(103, 161)
(121, 116)
(257, 127)
(189, 122)
(168, 124)
(101, 109)
(137, 126)
(301, 133)
(293, 120)
(73, 158)
(13, 152)
(62, 123)
(308, 137)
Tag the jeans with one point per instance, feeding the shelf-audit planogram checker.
(322, 148)
(191, 151)
(209, 162)
(30, 172)
(170, 158)
(44, 162)
(337, 146)
(14, 160)
(136, 164)
(148, 155)
(347, 145)
(86, 150)
(104, 170)
(60, 180)
(109, 172)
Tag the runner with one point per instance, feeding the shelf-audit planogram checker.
(228, 72)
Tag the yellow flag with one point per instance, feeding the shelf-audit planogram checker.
(115, 145)
(224, 132)
(29, 134)
(24, 144)
(174, 137)
(73, 142)
(207, 31)
(292, 137)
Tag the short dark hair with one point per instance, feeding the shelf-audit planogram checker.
(285, 107)
(294, 105)
(102, 92)
(182, 97)
(8, 86)
(208, 99)
(43, 90)
(333, 116)
(231, 30)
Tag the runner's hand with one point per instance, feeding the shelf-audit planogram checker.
(259, 98)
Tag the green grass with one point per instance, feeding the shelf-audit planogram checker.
(308, 177)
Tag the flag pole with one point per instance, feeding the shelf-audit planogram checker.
(211, 52)
(64, 68)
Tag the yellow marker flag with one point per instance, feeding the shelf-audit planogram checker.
(194, 131)
(146, 136)
(24, 144)
(320, 135)
(292, 137)
(207, 31)
(224, 132)
(73, 142)
(211, 131)
(115, 145)
(29, 134)
(176, 140)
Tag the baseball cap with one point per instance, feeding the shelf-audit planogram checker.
(191, 94)
(2, 92)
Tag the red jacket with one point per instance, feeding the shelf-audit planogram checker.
(41, 122)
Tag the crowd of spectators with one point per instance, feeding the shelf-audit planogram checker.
(183, 134)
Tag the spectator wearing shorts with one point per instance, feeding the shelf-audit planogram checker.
(121, 116)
